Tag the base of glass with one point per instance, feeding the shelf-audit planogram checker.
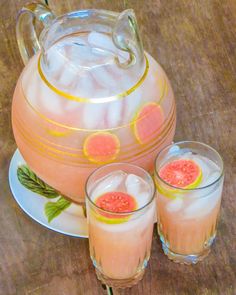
(123, 283)
(186, 259)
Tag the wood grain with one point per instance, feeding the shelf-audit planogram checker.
(195, 41)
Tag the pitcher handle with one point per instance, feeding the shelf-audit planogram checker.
(26, 35)
(126, 37)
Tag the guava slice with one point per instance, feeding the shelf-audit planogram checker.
(147, 121)
(101, 147)
(182, 173)
(116, 202)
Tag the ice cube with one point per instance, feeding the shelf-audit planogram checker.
(210, 171)
(109, 183)
(103, 76)
(114, 113)
(74, 40)
(198, 208)
(72, 105)
(174, 205)
(101, 41)
(202, 162)
(203, 205)
(132, 103)
(134, 184)
(211, 178)
(84, 86)
(30, 76)
(142, 198)
(126, 78)
(94, 115)
(80, 56)
(78, 64)
(102, 93)
(31, 85)
(102, 54)
(68, 75)
(174, 150)
(56, 58)
(75, 50)
(50, 101)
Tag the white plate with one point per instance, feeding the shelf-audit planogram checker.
(70, 222)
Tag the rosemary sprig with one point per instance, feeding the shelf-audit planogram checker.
(31, 181)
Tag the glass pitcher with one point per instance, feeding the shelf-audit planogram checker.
(88, 95)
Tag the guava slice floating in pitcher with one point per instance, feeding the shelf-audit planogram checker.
(115, 202)
(147, 121)
(101, 147)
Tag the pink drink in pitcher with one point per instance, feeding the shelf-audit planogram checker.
(88, 97)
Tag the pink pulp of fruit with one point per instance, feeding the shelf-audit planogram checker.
(116, 202)
(182, 173)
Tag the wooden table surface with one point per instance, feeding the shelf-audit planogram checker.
(195, 42)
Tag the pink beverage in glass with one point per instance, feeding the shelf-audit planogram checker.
(189, 179)
(121, 212)
(75, 109)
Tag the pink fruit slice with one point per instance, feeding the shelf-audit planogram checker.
(101, 147)
(146, 123)
(116, 202)
(182, 173)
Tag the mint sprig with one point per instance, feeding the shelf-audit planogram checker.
(32, 182)
(53, 209)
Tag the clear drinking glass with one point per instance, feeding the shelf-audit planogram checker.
(189, 178)
(120, 239)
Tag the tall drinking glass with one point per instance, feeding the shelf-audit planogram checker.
(189, 179)
(121, 211)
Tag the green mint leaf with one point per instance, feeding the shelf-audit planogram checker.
(53, 209)
(31, 181)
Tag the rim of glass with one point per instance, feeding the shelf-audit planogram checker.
(153, 192)
(189, 189)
